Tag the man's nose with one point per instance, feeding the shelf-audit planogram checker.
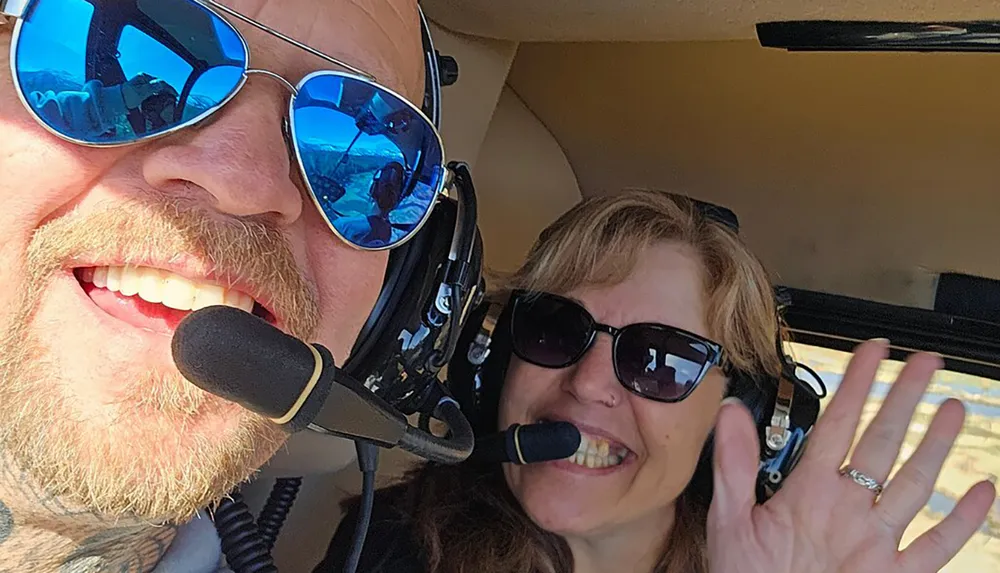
(239, 162)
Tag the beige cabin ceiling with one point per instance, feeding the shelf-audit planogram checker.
(673, 20)
(860, 174)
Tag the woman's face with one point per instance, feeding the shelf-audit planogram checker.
(661, 441)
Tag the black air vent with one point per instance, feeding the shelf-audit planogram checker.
(969, 345)
(972, 297)
(866, 36)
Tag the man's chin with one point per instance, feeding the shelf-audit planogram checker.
(161, 451)
(160, 469)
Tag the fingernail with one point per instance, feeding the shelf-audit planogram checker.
(731, 400)
(880, 341)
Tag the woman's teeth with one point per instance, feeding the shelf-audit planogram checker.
(162, 287)
(597, 452)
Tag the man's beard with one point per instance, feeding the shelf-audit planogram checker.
(148, 462)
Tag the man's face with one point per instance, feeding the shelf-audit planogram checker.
(90, 401)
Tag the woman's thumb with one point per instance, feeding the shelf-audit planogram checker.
(734, 463)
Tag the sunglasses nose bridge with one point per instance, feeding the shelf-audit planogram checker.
(286, 131)
(592, 340)
(281, 80)
(609, 330)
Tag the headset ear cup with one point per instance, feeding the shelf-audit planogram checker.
(776, 466)
(494, 374)
(701, 487)
(392, 352)
(755, 395)
(467, 361)
(805, 407)
(804, 414)
(478, 387)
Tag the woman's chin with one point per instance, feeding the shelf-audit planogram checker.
(567, 521)
(566, 511)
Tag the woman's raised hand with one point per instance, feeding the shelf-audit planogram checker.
(832, 514)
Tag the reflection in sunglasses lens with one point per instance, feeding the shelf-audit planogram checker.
(549, 331)
(659, 362)
(373, 163)
(106, 72)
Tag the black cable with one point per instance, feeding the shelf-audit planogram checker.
(368, 463)
(451, 450)
(275, 511)
(242, 545)
(424, 422)
(818, 381)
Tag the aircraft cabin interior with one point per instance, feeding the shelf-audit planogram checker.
(860, 162)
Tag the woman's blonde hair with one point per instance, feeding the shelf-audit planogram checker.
(464, 516)
(598, 242)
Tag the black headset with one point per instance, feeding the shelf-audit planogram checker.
(430, 282)
(784, 409)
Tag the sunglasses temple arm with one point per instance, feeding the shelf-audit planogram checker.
(13, 8)
(283, 37)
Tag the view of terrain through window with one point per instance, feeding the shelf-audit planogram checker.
(976, 454)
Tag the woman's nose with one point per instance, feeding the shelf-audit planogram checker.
(239, 161)
(592, 380)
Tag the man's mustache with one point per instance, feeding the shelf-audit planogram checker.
(248, 250)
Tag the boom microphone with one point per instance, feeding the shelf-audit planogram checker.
(531, 444)
(244, 359)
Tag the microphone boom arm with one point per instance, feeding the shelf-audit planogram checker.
(242, 358)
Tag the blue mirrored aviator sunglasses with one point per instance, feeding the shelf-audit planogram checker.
(107, 73)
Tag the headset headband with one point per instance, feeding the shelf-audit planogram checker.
(432, 77)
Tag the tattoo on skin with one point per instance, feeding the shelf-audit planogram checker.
(11, 476)
(51, 536)
(125, 549)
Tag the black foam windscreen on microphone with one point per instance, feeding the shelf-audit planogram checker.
(534, 443)
(240, 357)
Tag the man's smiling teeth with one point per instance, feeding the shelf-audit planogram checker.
(595, 452)
(162, 287)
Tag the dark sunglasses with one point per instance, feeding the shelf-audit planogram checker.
(107, 73)
(655, 361)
